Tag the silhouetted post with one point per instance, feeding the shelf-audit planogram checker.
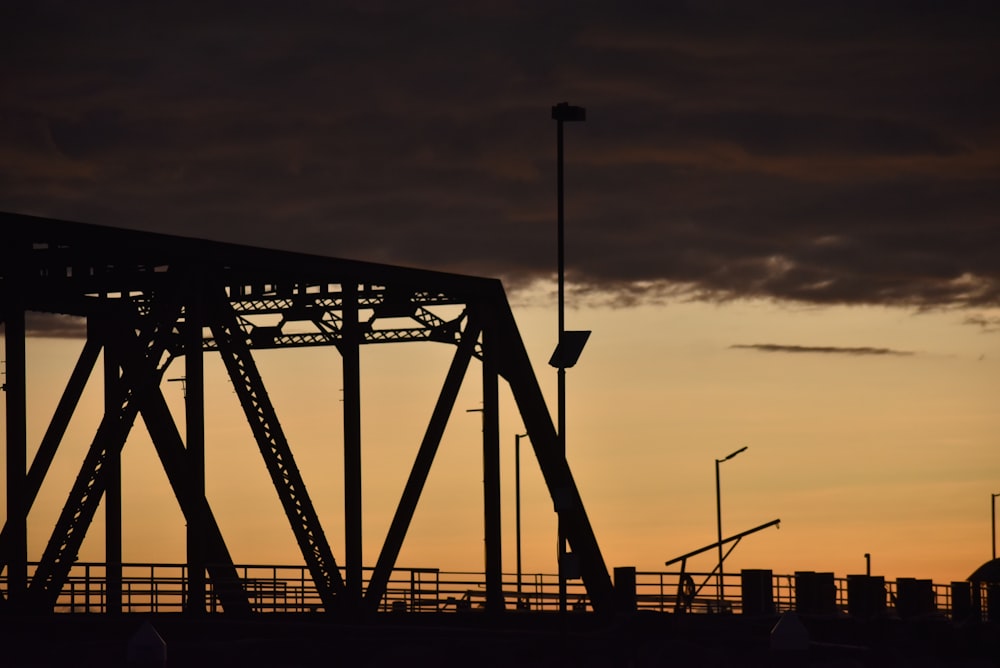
(718, 517)
(562, 113)
(194, 411)
(491, 489)
(492, 513)
(993, 521)
(17, 444)
(113, 475)
(351, 364)
(517, 509)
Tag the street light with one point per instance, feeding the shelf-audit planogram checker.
(993, 521)
(562, 113)
(718, 518)
(517, 508)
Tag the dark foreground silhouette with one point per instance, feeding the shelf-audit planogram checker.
(523, 640)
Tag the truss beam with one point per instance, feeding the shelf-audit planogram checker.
(78, 512)
(226, 583)
(421, 468)
(515, 366)
(54, 435)
(277, 455)
(262, 299)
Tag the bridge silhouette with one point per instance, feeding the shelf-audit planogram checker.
(149, 300)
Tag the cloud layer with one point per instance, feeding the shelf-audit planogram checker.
(815, 152)
(826, 350)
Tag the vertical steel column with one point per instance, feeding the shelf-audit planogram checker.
(350, 350)
(194, 411)
(491, 479)
(113, 466)
(17, 451)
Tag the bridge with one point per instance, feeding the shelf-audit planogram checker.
(149, 301)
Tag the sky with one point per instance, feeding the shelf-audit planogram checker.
(782, 228)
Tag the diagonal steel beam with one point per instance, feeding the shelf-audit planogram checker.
(175, 459)
(421, 468)
(277, 454)
(515, 366)
(55, 432)
(87, 490)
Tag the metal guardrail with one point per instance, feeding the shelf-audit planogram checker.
(162, 587)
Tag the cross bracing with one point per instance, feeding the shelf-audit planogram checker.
(148, 300)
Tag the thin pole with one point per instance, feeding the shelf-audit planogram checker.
(718, 521)
(993, 521)
(561, 373)
(560, 237)
(517, 509)
(718, 524)
(562, 112)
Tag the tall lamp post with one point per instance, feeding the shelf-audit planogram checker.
(517, 509)
(562, 113)
(718, 519)
(993, 521)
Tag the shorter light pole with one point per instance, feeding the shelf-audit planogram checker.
(517, 508)
(993, 521)
(718, 518)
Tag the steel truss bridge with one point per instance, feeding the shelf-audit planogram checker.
(150, 299)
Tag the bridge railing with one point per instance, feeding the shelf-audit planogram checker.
(163, 587)
(821, 593)
(433, 590)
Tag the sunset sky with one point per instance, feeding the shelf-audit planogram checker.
(783, 228)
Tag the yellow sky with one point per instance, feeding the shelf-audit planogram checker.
(893, 455)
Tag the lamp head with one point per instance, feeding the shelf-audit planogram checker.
(733, 454)
(565, 111)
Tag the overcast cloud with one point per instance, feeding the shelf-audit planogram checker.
(821, 152)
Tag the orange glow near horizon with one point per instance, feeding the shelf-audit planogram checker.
(889, 455)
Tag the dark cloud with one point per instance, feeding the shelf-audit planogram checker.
(53, 326)
(828, 350)
(985, 323)
(821, 153)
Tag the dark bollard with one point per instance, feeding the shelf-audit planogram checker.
(866, 596)
(815, 593)
(757, 592)
(961, 601)
(914, 598)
